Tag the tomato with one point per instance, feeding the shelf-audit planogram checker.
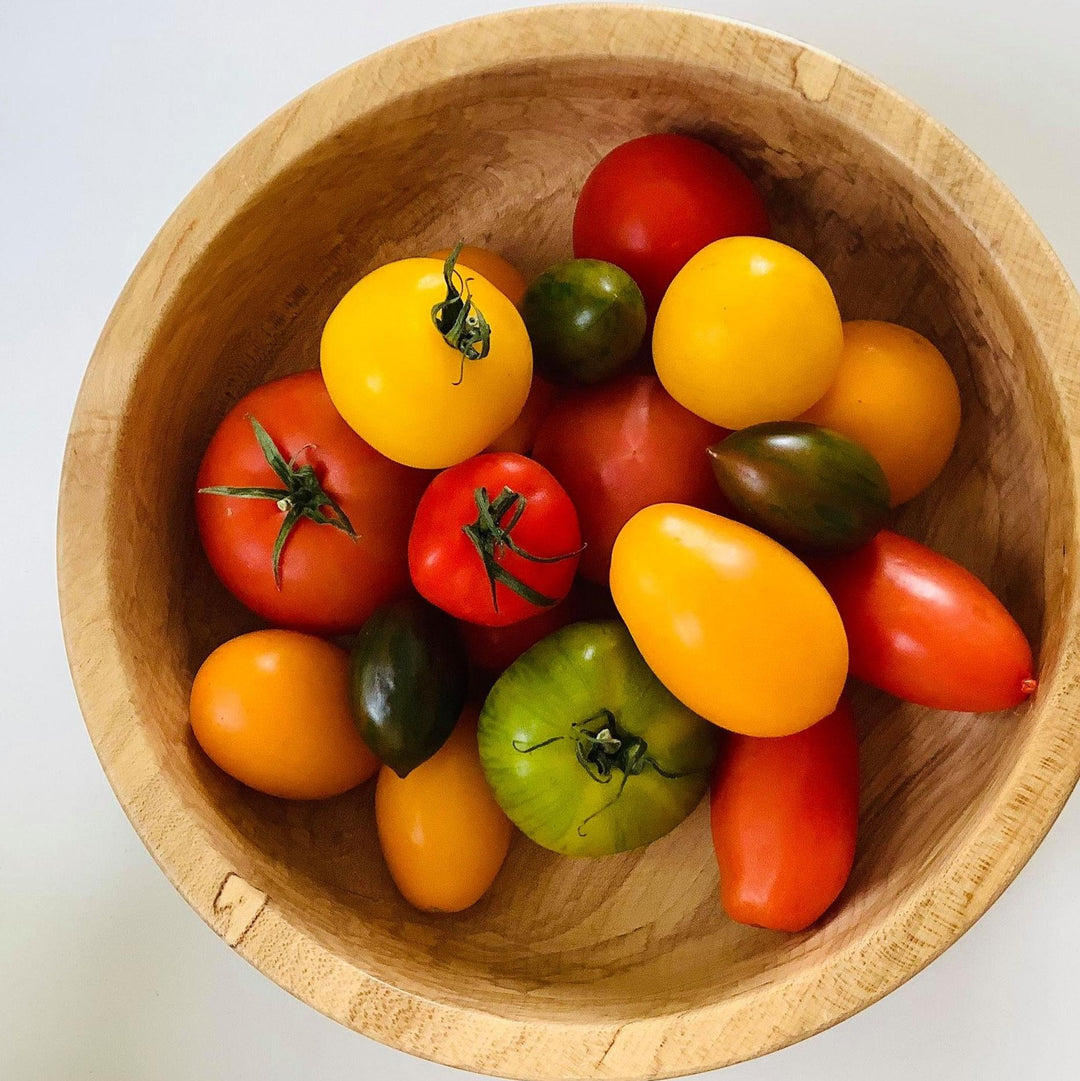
(313, 536)
(620, 447)
(586, 321)
(503, 275)
(429, 366)
(271, 708)
(443, 835)
(655, 201)
(408, 680)
(521, 435)
(808, 487)
(494, 649)
(926, 630)
(732, 624)
(495, 540)
(896, 395)
(784, 817)
(748, 332)
(584, 749)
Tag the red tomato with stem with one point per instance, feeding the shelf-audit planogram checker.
(655, 201)
(785, 813)
(623, 446)
(301, 520)
(495, 540)
(925, 629)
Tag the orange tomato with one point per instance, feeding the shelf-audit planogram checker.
(271, 709)
(896, 395)
(442, 833)
(521, 435)
(503, 275)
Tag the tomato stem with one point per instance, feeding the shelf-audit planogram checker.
(302, 497)
(458, 319)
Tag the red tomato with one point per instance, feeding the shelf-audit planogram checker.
(330, 482)
(654, 202)
(495, 540)
(926, 630)
(784, 816)
(620, 447)
(521, 435)
(493, 649)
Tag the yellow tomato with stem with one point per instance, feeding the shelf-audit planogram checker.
(425, 364)
(748, 332)
(730, 622)
(896, 395)
(502, 274)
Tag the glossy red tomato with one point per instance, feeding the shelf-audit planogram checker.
(495, 540)
(620, 447)
(784, 817)
(925, 629)
(347, 508)
(655, 201)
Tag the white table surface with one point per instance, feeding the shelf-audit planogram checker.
(109, 113)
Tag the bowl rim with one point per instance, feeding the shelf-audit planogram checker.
(754, 1021)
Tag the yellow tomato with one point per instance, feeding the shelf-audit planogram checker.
(407, 390)
(271, 708)
(896, 395)
(747, 332)
(442, 833)
(503, 275)
(731, 623)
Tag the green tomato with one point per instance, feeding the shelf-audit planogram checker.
(586, 321)
(811, 488)
(409, 679)
(586, 751)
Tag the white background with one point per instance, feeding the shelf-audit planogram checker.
(109, 113)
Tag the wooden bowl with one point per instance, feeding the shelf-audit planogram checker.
(623, 967)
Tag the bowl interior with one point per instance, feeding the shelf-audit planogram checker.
(498, 158)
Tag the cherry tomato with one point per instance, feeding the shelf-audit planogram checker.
(442, 833)
(343, 510)
(731, 623)
(521, 435)
(271, 708)
(655, 201)
(503, 275)
(784, 817)
(495, 540)
(896, 395)
(926, 630)
(748, 332)
(620, 447)
(494, 649)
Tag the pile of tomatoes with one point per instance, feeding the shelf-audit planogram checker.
(564, 554)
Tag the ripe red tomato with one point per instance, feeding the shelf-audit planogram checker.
(495, 540)
(492, 650)
(347, 507)
(655, 201)
(620, 447)
(785, 812)
(926, 630)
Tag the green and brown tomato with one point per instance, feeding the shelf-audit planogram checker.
(586, 321)
(810, 488)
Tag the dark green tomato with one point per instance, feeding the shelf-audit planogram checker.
(811, 488)
(408, 682)
(586, 751)
(586, 321)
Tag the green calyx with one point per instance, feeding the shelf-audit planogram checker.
(458, 319)
(301, 497)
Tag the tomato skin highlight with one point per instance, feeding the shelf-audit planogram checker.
(442, 834)
(330, 583)
(926, 630)
(653, 202)
(784, 814)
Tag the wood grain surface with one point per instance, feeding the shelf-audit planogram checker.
(623, 967)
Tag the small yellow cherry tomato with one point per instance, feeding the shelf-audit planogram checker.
(747, 332)
(428, 372)
(896, 395)
(443, 835)
(503, 275)
(730, 622)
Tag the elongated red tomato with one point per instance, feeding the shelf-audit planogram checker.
(785, 813)
(925, 629)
